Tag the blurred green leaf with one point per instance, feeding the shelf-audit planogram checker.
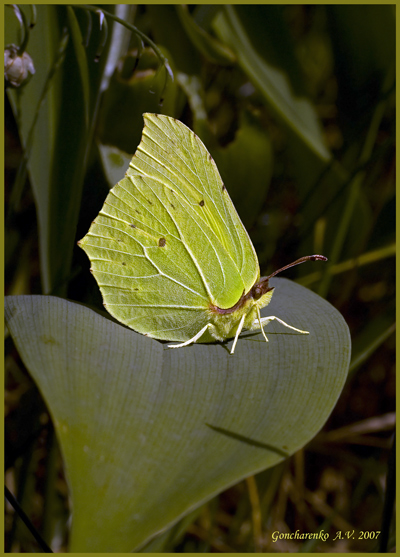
(272, 39)
(149, 434)
(295, 111)
(81, 61)
(60, 137)
(25, 105)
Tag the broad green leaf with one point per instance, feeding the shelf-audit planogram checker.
(148, 434)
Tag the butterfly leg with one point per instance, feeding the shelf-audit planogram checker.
(191, 340)
(239, 329)
(260, 324)
(265, 320)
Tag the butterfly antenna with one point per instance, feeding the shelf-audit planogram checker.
(297, 262)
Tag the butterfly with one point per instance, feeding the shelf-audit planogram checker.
(168, 250)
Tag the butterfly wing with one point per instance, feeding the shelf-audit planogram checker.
(158, 247)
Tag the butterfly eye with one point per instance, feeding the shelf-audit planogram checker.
(257, 291)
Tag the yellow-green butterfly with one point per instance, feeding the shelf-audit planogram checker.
(170, 254)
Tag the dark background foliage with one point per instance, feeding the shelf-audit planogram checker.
(297, 108)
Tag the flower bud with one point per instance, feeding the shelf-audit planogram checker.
(18, 69)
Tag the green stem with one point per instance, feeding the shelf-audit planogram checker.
(19, 14)
(23, 516)
(33, 16)
(354, 263)
(103, 36)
